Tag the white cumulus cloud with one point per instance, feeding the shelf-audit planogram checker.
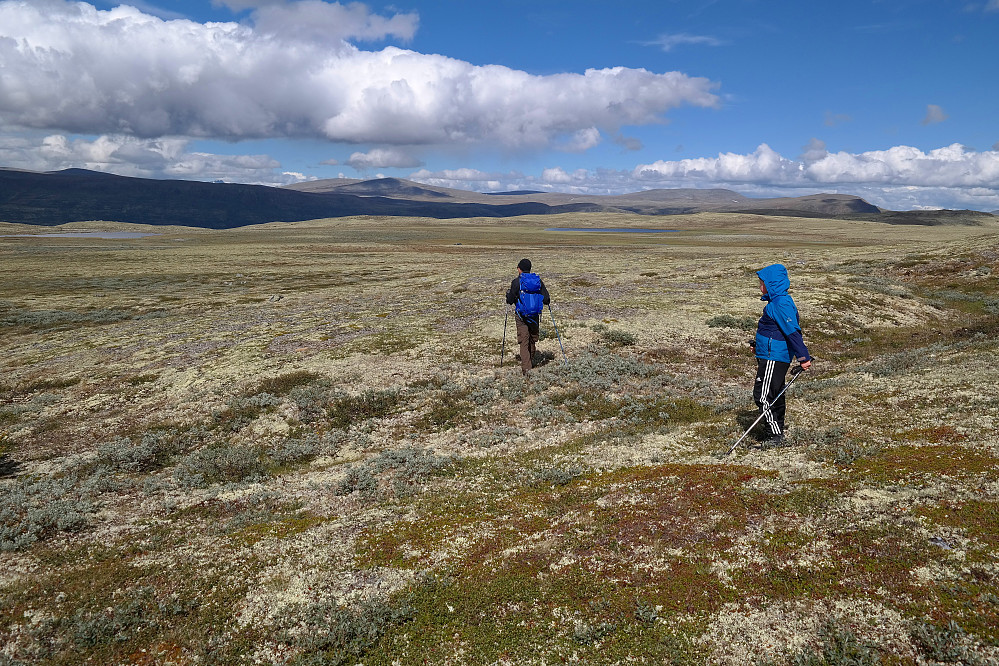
(951, 166)
(900, 178)
(141, 158)
(467, 179)
(582, 140)
(381, 158)
(292, 70)
(764, 165)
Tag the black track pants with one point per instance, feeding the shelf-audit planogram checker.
(770, 377)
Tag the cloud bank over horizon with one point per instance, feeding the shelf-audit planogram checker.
(892, 178)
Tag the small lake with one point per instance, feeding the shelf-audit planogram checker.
(616, 230)
(109, 235)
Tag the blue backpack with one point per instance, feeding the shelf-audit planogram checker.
(531, 301)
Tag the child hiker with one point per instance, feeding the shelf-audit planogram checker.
(778, 339)
(530, 295)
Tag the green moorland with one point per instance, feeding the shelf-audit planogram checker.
(294, 444)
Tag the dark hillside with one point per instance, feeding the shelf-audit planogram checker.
(77, 195)
(935, 217)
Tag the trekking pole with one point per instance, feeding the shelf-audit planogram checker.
(555, 326)
(766, 407)
(503, 348)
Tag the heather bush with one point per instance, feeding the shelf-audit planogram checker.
(327, 633)
(395, 473)
(137, 611)
(296, 450)
(838, 647)
(728, 321)
(312, 400)
(287, 383)
(587, 634)
(948, 645)
(346, 410)
(155, 450)
(35, 508)
(600, 371)
(556, 476)
(219, 464)
(242, 410)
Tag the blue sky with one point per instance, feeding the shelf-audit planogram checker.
(892, 100)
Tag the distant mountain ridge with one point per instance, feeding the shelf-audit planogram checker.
(74, 195)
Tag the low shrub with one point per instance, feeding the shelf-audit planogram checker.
(155, 450)
(447, 410)
(598, 370)
(345, 410)
(327, 633)
(86, 629)
(556, 476)
(242, 410)
(949, 645)
(838, 647)
(35, 508)
(219, 464)
(728, 321)
(616, 338)
(296, 450)
(312, 399)
(284, 384)
(59, 319)
(587, 634)
(831, 445)
(395, 473)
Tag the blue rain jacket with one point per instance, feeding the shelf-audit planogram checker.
(778, 335)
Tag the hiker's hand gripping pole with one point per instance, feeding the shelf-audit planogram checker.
(797, 370)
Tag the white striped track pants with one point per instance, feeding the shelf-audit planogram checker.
(770, 377)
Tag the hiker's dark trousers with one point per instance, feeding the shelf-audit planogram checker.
(770, 377)
(527, 337)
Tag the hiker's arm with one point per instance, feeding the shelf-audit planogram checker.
(514, 292)
(544, 292)
(797, 346)
(786, 315)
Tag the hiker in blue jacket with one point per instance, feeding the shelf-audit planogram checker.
(529, 293)
(778, 339)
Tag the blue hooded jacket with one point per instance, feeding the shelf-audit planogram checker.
(778, 335)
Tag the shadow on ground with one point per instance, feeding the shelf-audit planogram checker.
(8, 467)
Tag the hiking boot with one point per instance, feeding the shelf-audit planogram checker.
(775, 442)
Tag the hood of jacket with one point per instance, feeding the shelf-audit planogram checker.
(776, 279)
